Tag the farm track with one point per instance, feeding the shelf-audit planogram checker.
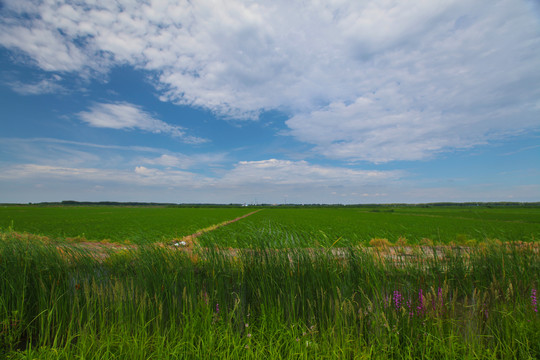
(189, 240)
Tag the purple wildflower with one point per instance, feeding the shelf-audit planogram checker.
(397, 300)
(420, 307)
(534, 300)
(217, 308)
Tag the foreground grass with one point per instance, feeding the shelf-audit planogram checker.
(59, 302)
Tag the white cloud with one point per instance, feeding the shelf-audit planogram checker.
(260, 181)
(301, 173)
(128, 116)
(40, 147)
(365, 80)
(45, 86)
(52, 169)
(66, 154)
(182, 161)
(368, 130)
(274, 175)
(44, 45)
(140, 175)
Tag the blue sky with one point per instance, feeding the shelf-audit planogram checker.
(269, 101)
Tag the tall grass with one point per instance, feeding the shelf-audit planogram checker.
(60, 302)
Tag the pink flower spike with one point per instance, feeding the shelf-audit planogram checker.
(534, 300)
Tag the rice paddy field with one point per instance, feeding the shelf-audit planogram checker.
(313, 283)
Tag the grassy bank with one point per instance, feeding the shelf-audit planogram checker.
(59, 302)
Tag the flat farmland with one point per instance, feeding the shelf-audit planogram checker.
(307, 227)
(117, 224)
(278, 227)
(58, 300)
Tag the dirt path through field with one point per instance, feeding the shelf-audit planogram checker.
(189, 240)
(99, 249)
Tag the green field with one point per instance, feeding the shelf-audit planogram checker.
(281, 294)
(308, 227)
(278, 227)
(136, 224)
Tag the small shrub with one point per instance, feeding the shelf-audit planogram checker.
(461, 238)
(401, 241)
(380, 243)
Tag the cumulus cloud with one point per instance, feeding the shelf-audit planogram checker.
(363, 80)
(368, 130)
(128, 116)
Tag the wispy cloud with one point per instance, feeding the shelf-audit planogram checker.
(128, 116)
(182, 161)
(271, 180)
(527, 148)
(275, 175)
(68, 154)
(45, 86)
(301, 173)
(14, 142)
(140, 175)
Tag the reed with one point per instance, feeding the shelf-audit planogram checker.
(61, 302)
